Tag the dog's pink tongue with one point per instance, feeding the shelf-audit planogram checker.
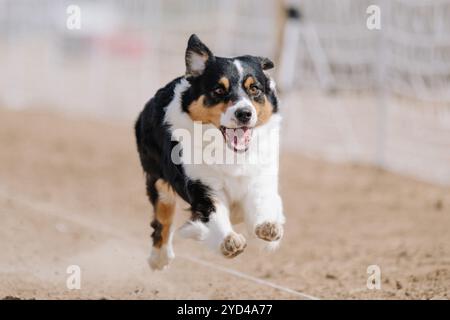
(239, 138)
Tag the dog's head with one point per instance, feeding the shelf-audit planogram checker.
(233, 94)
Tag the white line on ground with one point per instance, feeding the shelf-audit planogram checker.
(89, 223)
(248, 277)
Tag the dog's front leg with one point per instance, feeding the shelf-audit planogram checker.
(214, 228)
(221, 234)
(264, 210)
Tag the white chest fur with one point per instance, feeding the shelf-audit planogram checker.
(227, 173)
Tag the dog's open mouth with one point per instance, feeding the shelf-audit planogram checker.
(238, 139)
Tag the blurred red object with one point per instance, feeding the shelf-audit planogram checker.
(122, 44)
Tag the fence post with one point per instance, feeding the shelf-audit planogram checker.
(381, 100)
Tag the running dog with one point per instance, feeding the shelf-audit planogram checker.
(235, 100)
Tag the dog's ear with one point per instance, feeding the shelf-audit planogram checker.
(265, 63)
(197, 56)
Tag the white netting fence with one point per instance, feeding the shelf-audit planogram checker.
(380, 96)
(389, 89)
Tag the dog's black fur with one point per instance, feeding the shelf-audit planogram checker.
(155, 145)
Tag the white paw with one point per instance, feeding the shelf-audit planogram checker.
(160, 258)
(196, 230)
(232, 245)
(269, 231)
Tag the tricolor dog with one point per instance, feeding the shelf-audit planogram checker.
(227, 109)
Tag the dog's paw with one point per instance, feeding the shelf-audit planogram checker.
(269, 231)
(160, 258)
(193, 230)
(232, 245)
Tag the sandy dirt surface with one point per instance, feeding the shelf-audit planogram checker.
(72, 193)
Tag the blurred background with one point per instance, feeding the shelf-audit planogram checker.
(365, 165)
(348, 93)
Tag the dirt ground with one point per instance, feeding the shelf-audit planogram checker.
(72, 193)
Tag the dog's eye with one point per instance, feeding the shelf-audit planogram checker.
(219, 91)
(254, 90)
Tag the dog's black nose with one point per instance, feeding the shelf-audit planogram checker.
(243, 115)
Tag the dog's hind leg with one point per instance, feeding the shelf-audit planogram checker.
(163, 200)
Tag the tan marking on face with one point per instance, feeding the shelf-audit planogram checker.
(225, 82)
(164, 210)
(263, 110)
(248, 82)
(207, 114)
